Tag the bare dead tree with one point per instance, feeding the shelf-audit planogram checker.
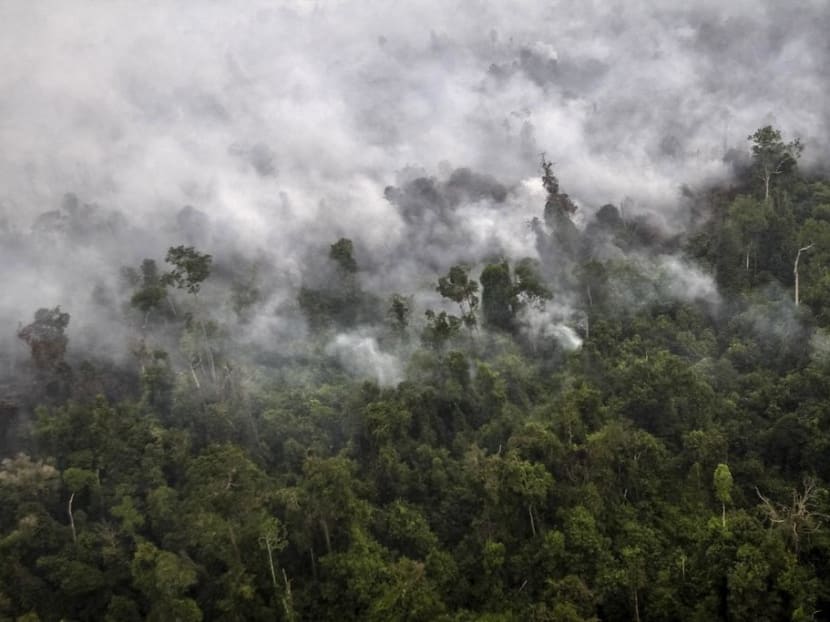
(800, 518)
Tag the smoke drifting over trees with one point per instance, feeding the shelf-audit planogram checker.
(280, 125)
(414, 310)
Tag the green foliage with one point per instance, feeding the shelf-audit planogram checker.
(723, 483)
(498, 300)
(398, 315)
(441, 328)
(342, 253)
(505, 295)
(771, 156)
(556, 203)
(723, 487)
(461, 289)
(340, 302)
(45, 337)
(502, 479)
(245, 294)
(77, 480)
(190, 268)
(151, 288)
(529, 283)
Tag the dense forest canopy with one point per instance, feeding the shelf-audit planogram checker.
(445, 311)
(657, 452)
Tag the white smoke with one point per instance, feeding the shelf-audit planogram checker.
(550, 322)
(283, 123)
(361, 355)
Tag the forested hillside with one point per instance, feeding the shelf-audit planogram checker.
(629, 425)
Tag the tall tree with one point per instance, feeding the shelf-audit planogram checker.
(398, 314)
(342, 253)
(795, 269)
(45, 336)
(750, 220)
(460, 288)
(723, 488)
(498, 296)
(504, 294)
(190, 268)
(556, 202)
(771, 156)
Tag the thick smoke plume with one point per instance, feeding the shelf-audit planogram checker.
(261, 132)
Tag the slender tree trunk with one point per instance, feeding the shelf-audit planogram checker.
(795, 269)
(326, 535)
(532, 524)
(766, 186)
(313, 562)
(796, 287)
(723, 514)
(172, 306)
(237, 393)
(207, 343)
(253, 424)
(288, 600)
(209, 352)
(195, 378)
(271, 563)
(236, 552)
(636, 606)
(72, 518)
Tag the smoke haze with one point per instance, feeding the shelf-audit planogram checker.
(270, 129)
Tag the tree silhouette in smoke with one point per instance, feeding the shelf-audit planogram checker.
(45, 337)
